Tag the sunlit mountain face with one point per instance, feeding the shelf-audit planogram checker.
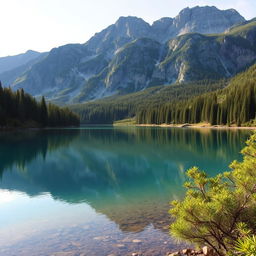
(131, 55)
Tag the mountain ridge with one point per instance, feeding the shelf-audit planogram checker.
(10, 62)
(105, 66)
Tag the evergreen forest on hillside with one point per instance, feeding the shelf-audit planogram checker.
(234, 104)
(19, 109)
(108, 110)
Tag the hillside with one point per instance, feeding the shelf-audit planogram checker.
(114, 108)
(233, 105)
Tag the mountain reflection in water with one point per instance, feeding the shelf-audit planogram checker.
(127, 174)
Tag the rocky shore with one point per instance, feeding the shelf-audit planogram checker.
(205, 251)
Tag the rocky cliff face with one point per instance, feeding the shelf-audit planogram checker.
(189, 57)
(130, 70)
(205, 20)
(131, 55)
(195, 57)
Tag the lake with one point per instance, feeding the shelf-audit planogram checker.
(101, 190)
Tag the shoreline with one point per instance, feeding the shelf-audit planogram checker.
(194, 126)
(200, 126)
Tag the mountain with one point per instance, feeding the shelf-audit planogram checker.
(129, 70)
(11, 62)
(204, 20)
(144, 62)
(196, 56)
(125, 30)
(132, 55)
(16, 74)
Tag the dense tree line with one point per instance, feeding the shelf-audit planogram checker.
(106, 111)
(236, 104)
(19, 109)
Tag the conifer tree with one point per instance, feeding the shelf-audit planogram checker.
(214, 209)
(43, 112)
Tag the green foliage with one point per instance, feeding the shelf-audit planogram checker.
(246, 246)
(19, 109)
(216, 209)
(243, 28)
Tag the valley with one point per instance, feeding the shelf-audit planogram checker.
(131, 140)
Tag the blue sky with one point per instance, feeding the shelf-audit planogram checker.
(43, 24)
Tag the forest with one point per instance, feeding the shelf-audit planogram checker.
(19, 109)
(233, 105)
(108, 110)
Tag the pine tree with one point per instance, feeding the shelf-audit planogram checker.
(43, 112)
(214, 209)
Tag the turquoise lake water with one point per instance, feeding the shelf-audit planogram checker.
(101, 190)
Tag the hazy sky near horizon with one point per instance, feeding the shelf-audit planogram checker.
(43, 24)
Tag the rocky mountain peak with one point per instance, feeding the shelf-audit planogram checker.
(132, 27)
(123, 31)
(205, 20)
(162, 24)
(130, 20)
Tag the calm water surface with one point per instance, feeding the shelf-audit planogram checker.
(100, 190)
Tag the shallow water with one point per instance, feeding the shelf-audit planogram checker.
(101, 190)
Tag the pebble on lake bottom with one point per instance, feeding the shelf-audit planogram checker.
(136, 241)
